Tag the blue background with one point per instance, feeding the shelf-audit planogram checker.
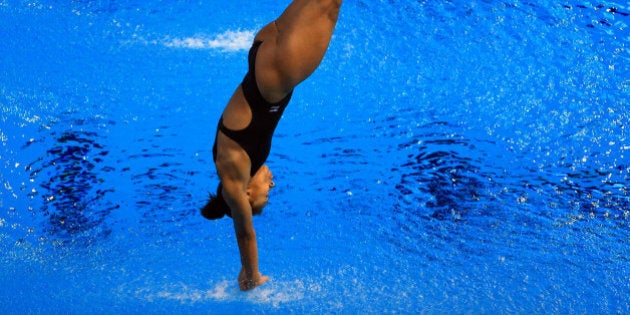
(456, 157)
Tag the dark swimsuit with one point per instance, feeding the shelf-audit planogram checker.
(255, 139)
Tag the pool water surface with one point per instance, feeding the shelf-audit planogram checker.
(446, 157)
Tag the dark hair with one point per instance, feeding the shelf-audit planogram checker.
(216, 207)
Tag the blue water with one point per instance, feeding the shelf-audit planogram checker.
(447, 157)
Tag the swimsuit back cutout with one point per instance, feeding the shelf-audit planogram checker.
(255, 139)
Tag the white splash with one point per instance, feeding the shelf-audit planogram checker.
(277, 293)
(273, 294)
(227, 41)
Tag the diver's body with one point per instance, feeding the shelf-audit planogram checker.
(284, 53)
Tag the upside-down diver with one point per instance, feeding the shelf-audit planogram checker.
(284, 53)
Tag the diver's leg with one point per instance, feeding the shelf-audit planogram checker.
(294, 46)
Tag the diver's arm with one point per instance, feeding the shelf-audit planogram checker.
(233, 168)
(236, 198)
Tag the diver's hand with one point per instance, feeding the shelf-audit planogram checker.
(246, 284)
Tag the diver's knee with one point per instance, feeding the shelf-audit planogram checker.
(331, 4)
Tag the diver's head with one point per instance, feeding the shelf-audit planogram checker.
(258, 189)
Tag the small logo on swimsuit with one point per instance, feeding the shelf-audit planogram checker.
(274, 109)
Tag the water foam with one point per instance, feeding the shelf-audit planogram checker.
(274, 293)
(227, 41)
